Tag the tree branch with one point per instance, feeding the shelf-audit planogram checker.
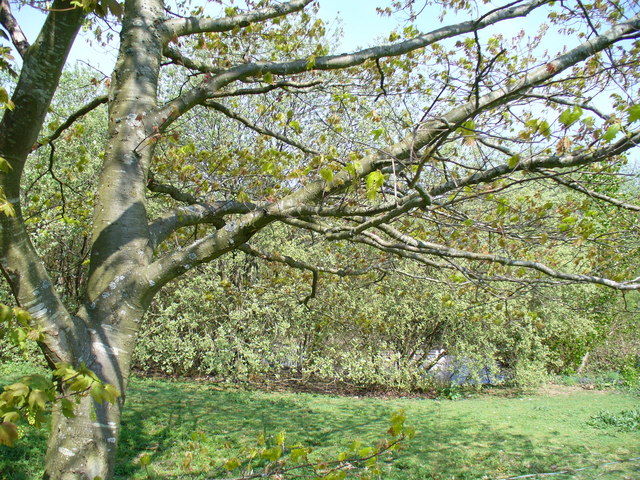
(442, 251)
(170, 190)
(179, 59)
(314, 269)
(561, 101)
(178, 27)
(19, 129)
(265, 89)
(579, 188)
(172, 110)
(233, 235)
(263, 131)
(195, 214)
(10, 24)
(416, 200)
(228, 238)
(82, 111)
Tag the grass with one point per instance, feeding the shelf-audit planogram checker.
(187, 426)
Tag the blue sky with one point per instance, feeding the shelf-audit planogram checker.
(360, 23)
(358, 18)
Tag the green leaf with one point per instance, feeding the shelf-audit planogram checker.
(18, 336)
(38, 399)
(355, 446)
(397, 423)
(232, 464)
(8, 434)
(336, 475)
(272, 454)
(326, 174)
(80, 384)
(145, 460)
(16, 390)
(295, 125)
(4, 96)
(68, 408)
(22, 316)
(12, 417)
(64, 371)
(311, 62)
(298, 454)
(243, 197)
(409, 432)
(110, 393)
(513, 161)
(366, 451)
(37, 382)
(570, 116)
(6, 314)
(611, 132)
(374, 182)
(4, 165)
(5, 206)
(267, 77)
(634, 113)
(468, 129)
(543, 128)
(353, 168)
(377, 133)
(537, 126)
(97, 392)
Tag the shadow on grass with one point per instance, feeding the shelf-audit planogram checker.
(456, 447)
(454, 440)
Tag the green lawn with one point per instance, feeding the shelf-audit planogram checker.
(489, 436)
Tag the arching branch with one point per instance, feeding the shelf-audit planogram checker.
(174, 192)
(261, 130)
(178, 27)
(71, 119)
(300, 265)
(429, 248)
(172, 110)
(199, 213)
(591, 193)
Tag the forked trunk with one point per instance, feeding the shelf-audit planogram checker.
(84, 447)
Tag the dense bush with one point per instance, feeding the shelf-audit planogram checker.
(236, 319)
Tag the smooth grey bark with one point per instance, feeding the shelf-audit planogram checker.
(19, 128)
(82, 448)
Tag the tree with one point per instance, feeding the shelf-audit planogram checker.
(452, 162)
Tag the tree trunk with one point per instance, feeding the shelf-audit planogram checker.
(83, 447)
(583, 364)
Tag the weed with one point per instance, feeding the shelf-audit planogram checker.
(624, 421)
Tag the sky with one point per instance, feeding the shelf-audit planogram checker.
(360, 23)
(358, 18)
